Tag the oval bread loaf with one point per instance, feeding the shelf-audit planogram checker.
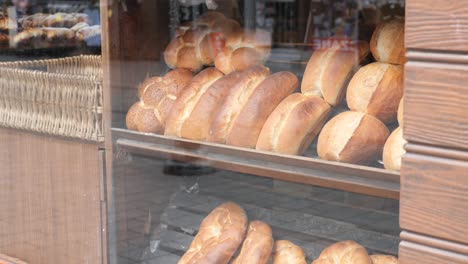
(377, 89)
(388, 42)
(344, 252)
(257, 246)
(288, 253)
(352, 137)
(394, 150)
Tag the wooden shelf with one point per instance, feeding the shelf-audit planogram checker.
(306, 170)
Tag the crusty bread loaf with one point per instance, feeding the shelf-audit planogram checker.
(263, 100)
(234, 102)
(377, 89)
(400, 113)
(257, 246)
(288, 253)
(157, 96)
(384, 259)
(198, 123)
(344, 252)
(294, 124)
(188, 99)
(394, 150)
(329, 70)
(219, 236)
(388, 42)
(352, 137)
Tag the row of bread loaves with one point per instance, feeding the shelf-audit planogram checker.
(226, 231)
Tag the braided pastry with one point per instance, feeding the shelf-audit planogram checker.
(345, 252)
(157, 95)
(219, 236)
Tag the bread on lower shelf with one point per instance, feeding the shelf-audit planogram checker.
(219, 236)
(287, 252)
(344, 252)
(257, 246)
(384, 259)
(352, 137)
(294, 124)
(394, 150)
(400, 113)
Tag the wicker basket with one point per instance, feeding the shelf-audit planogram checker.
(58, 96)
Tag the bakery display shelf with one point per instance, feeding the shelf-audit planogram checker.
(312, 220)
(299, 169)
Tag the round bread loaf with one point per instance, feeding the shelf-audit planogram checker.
(234, 102)
(344, 252)
(352, 137)
(394, 150)
(400, 113)
(197, 125)
(257, 246)
(377, 89)
(188, 99)
(218, 237)
(157, 96)
(388, 42)
(329, 70)
(294, 124)
(384, 259)
(288, 253)
(263, 100)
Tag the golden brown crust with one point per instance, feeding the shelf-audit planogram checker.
(394, 150)
(144, 119)
(264, 99)
(352, 137)
(377, 89)
(344, 252)
(188, 99)
(288, 253)
(219, 236)
(235, 102)
(294, 124)
(387, 43)
(384, 259)
(257, 246)
(198, 124)
(328, 72)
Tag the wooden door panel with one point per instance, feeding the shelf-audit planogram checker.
(411, 253)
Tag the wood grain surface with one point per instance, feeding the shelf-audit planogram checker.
(436, 109)
(437, 25)
(49, 199)
(411, 253)
(433, 199)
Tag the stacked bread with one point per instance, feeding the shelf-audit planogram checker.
(213, 39)
(226, 230)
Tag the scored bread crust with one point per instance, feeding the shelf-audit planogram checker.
(352, 137)
(257, 246)
(377, 89)
(384, 259)
(187, 100)
(197, 125)
(264, 99)
(235, 102)
(218, 237)
(344, 252)
(394, 150)
(288, 253)
(388, 42)
(294, 124)
(328, 72)
(144, 119)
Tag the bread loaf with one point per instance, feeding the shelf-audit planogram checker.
(30, 38)
(344, 252)
(87, 33)
(197, 125)
(263, 100)
(388, 42)
(384, 259)
(294, 124)
(377, 89)
(219, 236)
(394, 150)
(234, 102)
(400, 113)
(288, 253)
(157, 96)
(329, 70)
(257, 246)
(188, 99)
(352, 137)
